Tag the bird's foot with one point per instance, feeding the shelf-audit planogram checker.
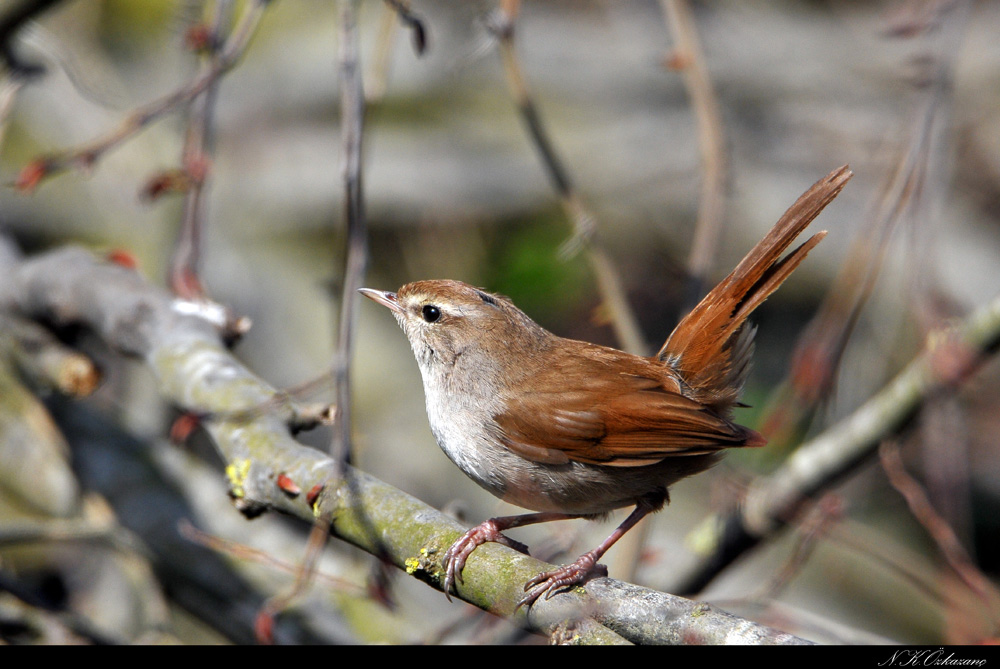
(455, 557)
(548, 582)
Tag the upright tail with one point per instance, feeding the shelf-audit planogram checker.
(710, 348)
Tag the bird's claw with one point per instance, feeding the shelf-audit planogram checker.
(455, 557)
(549, 582)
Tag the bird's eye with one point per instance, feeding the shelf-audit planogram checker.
(431, 313)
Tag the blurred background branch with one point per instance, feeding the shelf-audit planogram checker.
(688, 58)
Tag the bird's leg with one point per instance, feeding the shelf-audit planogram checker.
(548, 582)
(490, 530)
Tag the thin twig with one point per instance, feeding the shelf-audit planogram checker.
(185, 275)
(305, 574)
(85, 156)
(939, 530)
(690, 60)
(624, 322)
(240, 551)
(944, 439)
(815, 525)
(945, 456)
(352, 131)
(352, 126)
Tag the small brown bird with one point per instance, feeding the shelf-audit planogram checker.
(571, 429)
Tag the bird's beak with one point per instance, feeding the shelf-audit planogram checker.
(383, 297)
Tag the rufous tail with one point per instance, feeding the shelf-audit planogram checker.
(710, 348)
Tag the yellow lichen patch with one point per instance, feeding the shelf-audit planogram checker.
(413, 564)
(237, 473)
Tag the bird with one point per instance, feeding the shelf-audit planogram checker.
(571, 429)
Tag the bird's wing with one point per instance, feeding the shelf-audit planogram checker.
(634, 417)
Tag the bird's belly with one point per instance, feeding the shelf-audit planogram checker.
(572, 488)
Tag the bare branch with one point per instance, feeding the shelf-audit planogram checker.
(352, 106)
(185, 277)
(690, 60)
(584, 224)
(86, 155)
(944, 536)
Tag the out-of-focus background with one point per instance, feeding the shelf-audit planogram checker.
(454, 188)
